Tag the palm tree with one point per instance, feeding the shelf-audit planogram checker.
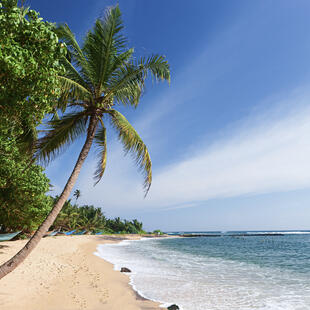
(100, 75)
(77, 194)
(138, 225)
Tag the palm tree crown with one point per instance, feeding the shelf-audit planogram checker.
(77, 194)
(99, 76)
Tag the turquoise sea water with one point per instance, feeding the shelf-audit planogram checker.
(222, 273)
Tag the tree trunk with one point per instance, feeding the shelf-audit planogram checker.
(18, 258)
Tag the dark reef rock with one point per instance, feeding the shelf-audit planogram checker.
(124, 269)
(173, 307)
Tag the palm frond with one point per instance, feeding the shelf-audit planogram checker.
(134, 144)
(127, 83)
(157, 65)
(101, 140)
(65, 34)
(75, 53)
(73, 74)
(73, 89)
(60, 135)
(117, 62)
(103, 43)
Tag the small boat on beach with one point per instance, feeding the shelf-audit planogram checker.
(8, 237)
(51, 234)
(80, 233)
(68, 233)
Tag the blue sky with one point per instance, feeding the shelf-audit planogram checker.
(230, 137)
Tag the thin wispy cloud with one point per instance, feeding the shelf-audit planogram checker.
(265, 153)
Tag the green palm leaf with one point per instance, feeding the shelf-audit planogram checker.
(73, 89)
(61, 134)
(117, 61)
(101, 139)
(134, 144)
(103, 44)
(75, 53)
(73, 74)
(127, 83)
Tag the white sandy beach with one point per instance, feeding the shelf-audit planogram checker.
(62, 273)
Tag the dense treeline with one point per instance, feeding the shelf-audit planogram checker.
(92, 219)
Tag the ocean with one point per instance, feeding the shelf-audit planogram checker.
(226, 272)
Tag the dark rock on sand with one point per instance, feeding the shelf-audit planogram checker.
(124, 269)
(173, 307)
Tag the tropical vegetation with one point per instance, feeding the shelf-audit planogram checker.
(92, 220)
(90, 82)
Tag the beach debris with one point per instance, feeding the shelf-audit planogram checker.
(173, 307)
(124, 269)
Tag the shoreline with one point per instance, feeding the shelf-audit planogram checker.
(162, 305)
(63, 273)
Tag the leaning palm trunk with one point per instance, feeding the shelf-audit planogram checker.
(17, 259)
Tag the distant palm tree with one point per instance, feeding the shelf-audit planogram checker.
(138, 225)
(99, 76)
(77, 194)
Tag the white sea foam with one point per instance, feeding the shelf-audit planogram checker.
(281, 232)
(197, 282)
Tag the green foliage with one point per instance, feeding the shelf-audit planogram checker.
(23, 203)
(92, 219)
(101, 139)
(134, 144)
(158, 232)
(64, 132)
(29, 64)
